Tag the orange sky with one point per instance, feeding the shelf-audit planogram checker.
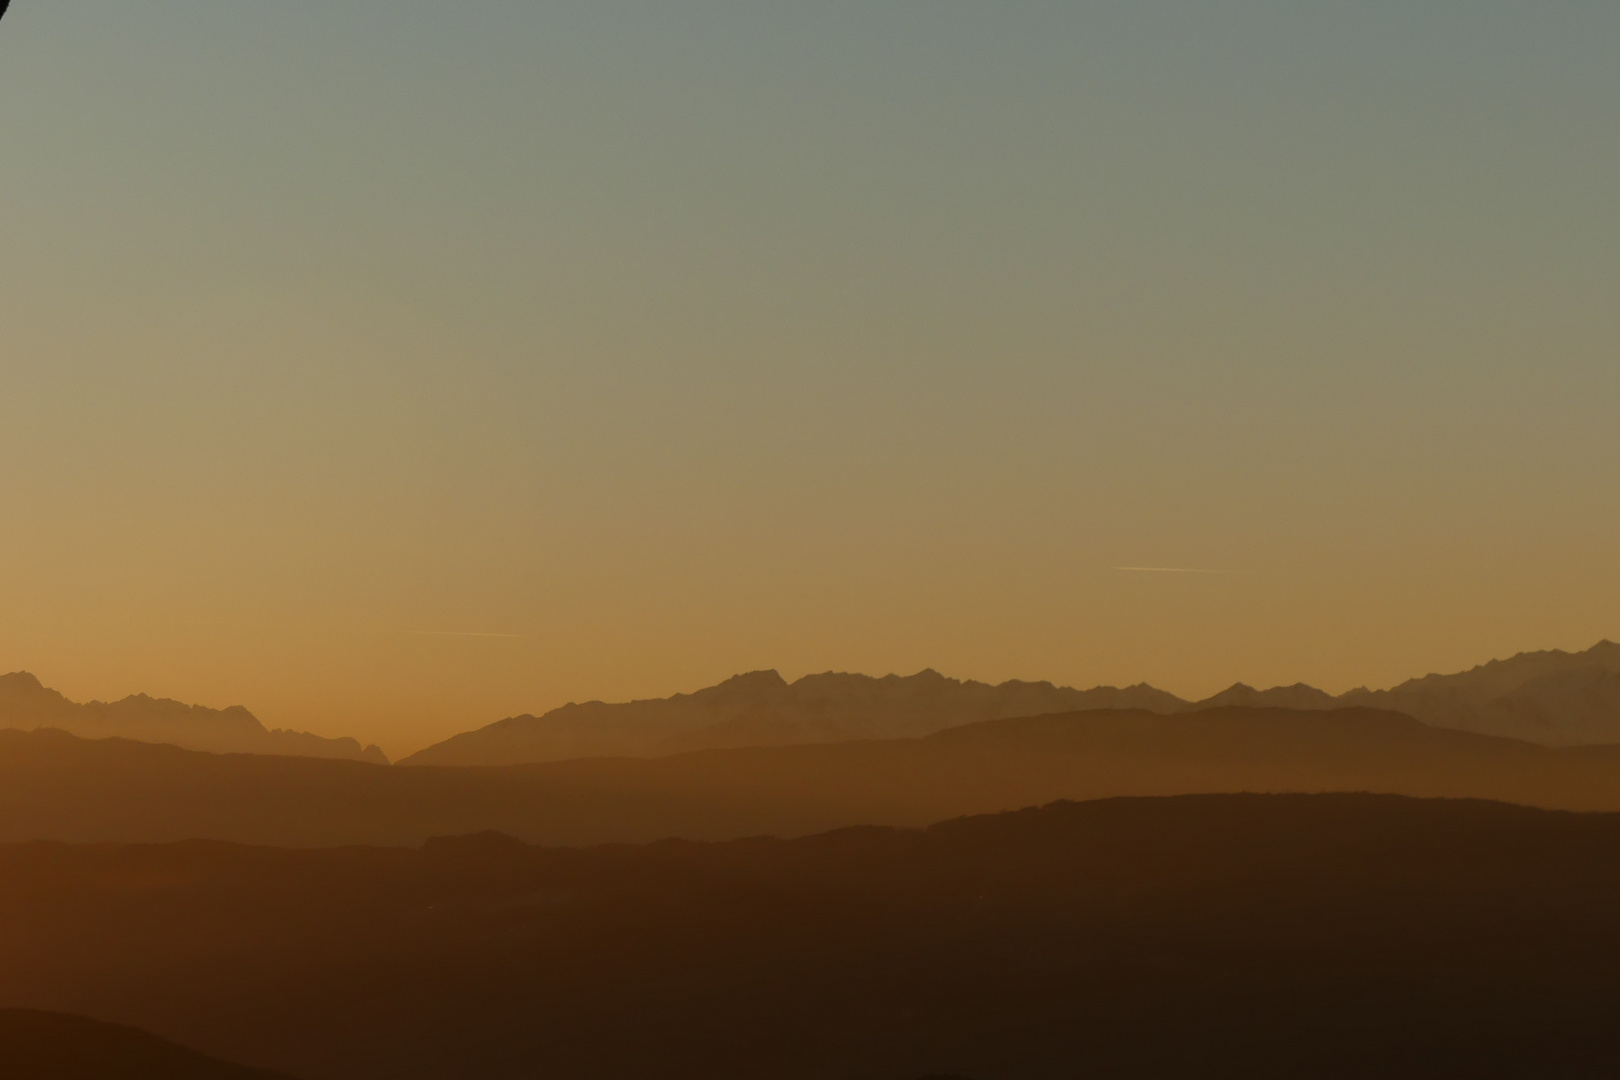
(392, 368)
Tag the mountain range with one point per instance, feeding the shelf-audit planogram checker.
(1554, 698)
(26, 704)
(1230, 936)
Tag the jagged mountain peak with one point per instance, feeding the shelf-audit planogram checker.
(21, 680)
(1606, 652)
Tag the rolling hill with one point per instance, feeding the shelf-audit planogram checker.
(54, 786)
(1212, 936)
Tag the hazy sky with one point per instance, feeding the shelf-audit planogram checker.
(662, 341)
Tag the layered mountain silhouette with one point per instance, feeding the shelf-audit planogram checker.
(1555, 698)
(1330, 937)
(55, 786)
(52, 1046)
(26, 704)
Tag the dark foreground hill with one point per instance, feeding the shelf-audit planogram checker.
(26, 704)
(53, 786)
(52, 1046)
(1210, 937)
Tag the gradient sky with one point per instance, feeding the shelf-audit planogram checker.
(391, 367)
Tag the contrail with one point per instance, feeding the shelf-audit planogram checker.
(1176, 570)
(464, 633)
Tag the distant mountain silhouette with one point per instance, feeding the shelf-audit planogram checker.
(1298, 696)
(54, 786)
(762, 709)
(26, 704)
(1218, 937)
(1554, 698)
(52, 1046)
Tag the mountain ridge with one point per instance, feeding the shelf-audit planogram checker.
(1551, 697)
(760, 708)
(27, 704)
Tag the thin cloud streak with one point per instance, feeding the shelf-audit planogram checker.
(464, 633)
(1176, 570)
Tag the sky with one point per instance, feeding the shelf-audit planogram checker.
(393, 367)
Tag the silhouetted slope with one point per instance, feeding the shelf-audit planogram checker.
(52, 1046)
(55, 786)
(25, 705)
(1210, 937)
(762, 709)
